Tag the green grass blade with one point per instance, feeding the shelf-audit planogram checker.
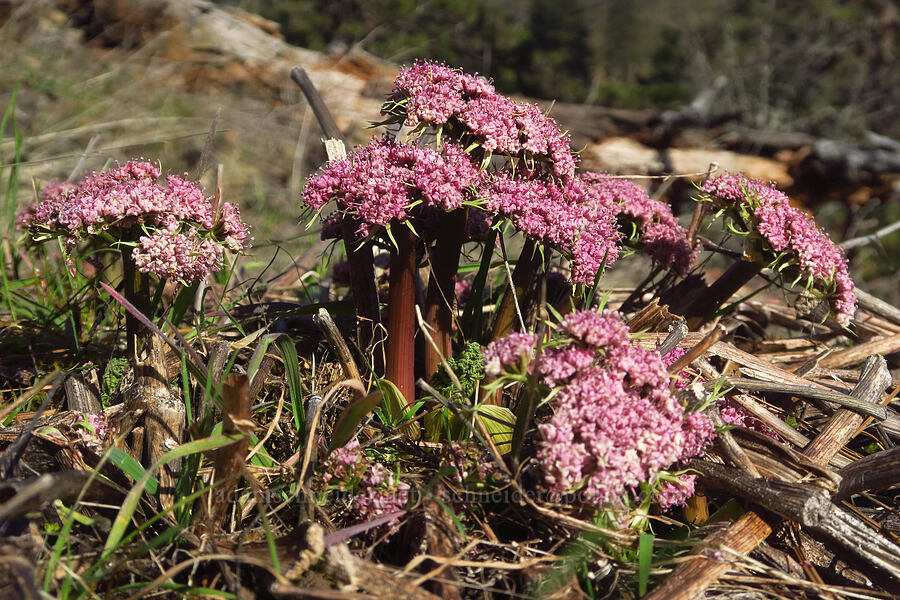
(352, 417)
(645, 558)
(131, 501)
(132, 468)
(183, 302)
(288, 351)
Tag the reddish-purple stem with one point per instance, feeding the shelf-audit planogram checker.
(401, 318)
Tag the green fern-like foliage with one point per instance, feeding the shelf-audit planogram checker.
(469, 369)
(112, 374)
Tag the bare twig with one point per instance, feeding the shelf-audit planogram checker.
(877, 306)
(323, 319)
(874, 472)
(694, 353)
(865, 240)
(860, 406)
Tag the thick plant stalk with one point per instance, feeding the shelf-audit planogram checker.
(525, 271)
(164, 412)
(362, 284)
(441, 284)
(137, 291)
(705, 305)
(402, 318)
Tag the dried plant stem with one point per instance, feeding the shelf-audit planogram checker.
(859, 406)
(229, 459)
(877, 306)
(745, 534)
(812, 508)
(877, 471)
(164, 412)
(402, 317)
(857, 354)
(694, 353)
(439, 297)
(323, 319)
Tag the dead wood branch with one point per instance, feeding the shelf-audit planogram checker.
(745, 534)
(811, 507)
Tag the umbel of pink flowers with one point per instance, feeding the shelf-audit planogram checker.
(175, 231)
(509, 160)
(766, 212)
(616, 423)
(538, 188)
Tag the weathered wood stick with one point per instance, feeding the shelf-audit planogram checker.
(877, 306)
(757, 410)
(806, 391)
(362, 270)
(323, 319)
(874, 472)
(843, 424)
(857, 354)
(697, 351)
(83, 395)
(745, 534)
(813, 509)
(679, 331)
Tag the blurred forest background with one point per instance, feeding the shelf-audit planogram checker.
(824, 67)
(800, 92)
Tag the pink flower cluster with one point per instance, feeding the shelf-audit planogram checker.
(376, 490)
(561, 215)
(661, 236)
(616, 423)
(169, 254)
(93, 428)
(733, 413)
(434, 94)
(676, 493)
(385, 179)
(787, 229)
(507, 352)
(128, 196)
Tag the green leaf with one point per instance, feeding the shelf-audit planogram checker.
(499, 422)
(132, 468)
(393, 399)
(645, 558)
(288, 352)
(129, 505)
(183, 302)
(351, 418)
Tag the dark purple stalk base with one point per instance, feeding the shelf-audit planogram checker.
(441, 288)
(362, 284)
(707, 302)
